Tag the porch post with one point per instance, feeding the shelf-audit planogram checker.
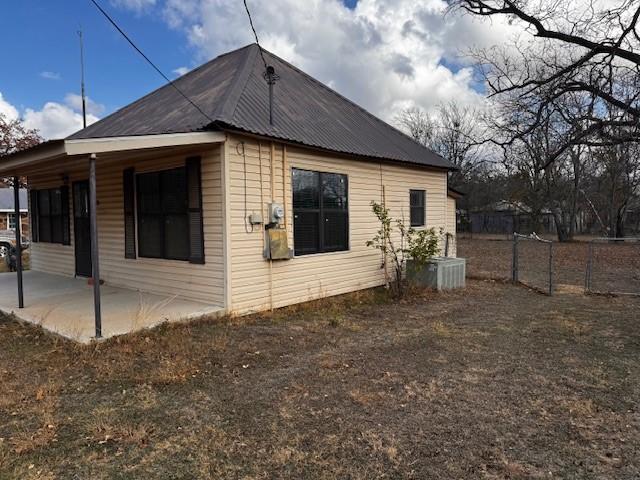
(16, 205)
(95, 260)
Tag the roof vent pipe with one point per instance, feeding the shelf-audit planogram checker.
(271, 77)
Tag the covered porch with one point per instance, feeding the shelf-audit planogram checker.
(100, 264)
(65, 305)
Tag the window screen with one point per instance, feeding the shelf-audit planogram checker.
(320, 212)
(163, 216)
(52, 215)
(417, 206)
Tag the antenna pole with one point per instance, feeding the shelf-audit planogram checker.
(84, 102)
(271, 77)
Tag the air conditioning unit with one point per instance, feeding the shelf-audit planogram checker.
(441, 273)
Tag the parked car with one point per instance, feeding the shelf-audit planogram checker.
(8, 240)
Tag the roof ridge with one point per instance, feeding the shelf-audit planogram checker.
(351, 102)
(228, 107)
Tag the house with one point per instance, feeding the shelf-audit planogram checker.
(201, 197)
(507, 217)
(7, 210)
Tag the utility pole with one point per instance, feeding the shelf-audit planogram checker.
(84, 103)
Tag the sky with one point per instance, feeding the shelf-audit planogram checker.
(385, 55)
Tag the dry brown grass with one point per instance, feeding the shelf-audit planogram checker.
(43, 411)
(492, 382)
(146, 311)
(367, 398)
(106, 425)
(27, 442)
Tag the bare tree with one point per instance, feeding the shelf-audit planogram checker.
(542, 186)
(418, 124)
(578, 49)
(452, 132)
(615, 185)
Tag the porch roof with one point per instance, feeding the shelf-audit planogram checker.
(64, 305)
(57, 150)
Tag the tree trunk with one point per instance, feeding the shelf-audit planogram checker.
(619, 231)
(561, 227)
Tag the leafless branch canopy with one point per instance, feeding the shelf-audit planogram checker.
(580, 62)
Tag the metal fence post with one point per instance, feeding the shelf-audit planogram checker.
(551, 268)
(587, 280)
(514, 262)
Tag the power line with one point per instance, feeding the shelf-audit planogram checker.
(246, 7)
(112, 21)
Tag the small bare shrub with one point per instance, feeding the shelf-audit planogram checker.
(418, 245)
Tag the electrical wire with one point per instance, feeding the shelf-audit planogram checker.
(117, 27)
(246, 7)
(246, 210)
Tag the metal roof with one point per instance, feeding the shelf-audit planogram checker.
(6, 200)
(233, 94)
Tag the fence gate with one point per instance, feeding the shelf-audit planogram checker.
(613, 266)
(532, 262)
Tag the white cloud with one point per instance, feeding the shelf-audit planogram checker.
(54, 120)
(50, 75)
(9, 111)
(181, 71)
(135, 5)
(74, 101)
(385, 54)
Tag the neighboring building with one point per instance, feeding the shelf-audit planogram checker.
(184, 192)
(506, 217)
(7, 210)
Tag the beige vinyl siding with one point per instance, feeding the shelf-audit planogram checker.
(451, 225)
(258, 284)
(165, 277)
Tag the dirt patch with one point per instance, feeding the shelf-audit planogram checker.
(491, 382)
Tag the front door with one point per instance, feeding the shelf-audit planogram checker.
(82, 228)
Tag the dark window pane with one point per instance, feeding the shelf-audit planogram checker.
(56, 229)
(149, 199)
(306, 232)
(174, 191)
(417, 216)
(417, 198)
(306, 189)
(417, 207)
(176, 241)
(334, 191)
(163, 223)
(150, 235)
(320, 202)
(56, 202)
(43, 202)
(44, 225)
(335, 231)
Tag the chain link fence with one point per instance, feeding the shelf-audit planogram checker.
(613, 266)
(532, 262)
(602, 265)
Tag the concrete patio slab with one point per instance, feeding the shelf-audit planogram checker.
(64, 305)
